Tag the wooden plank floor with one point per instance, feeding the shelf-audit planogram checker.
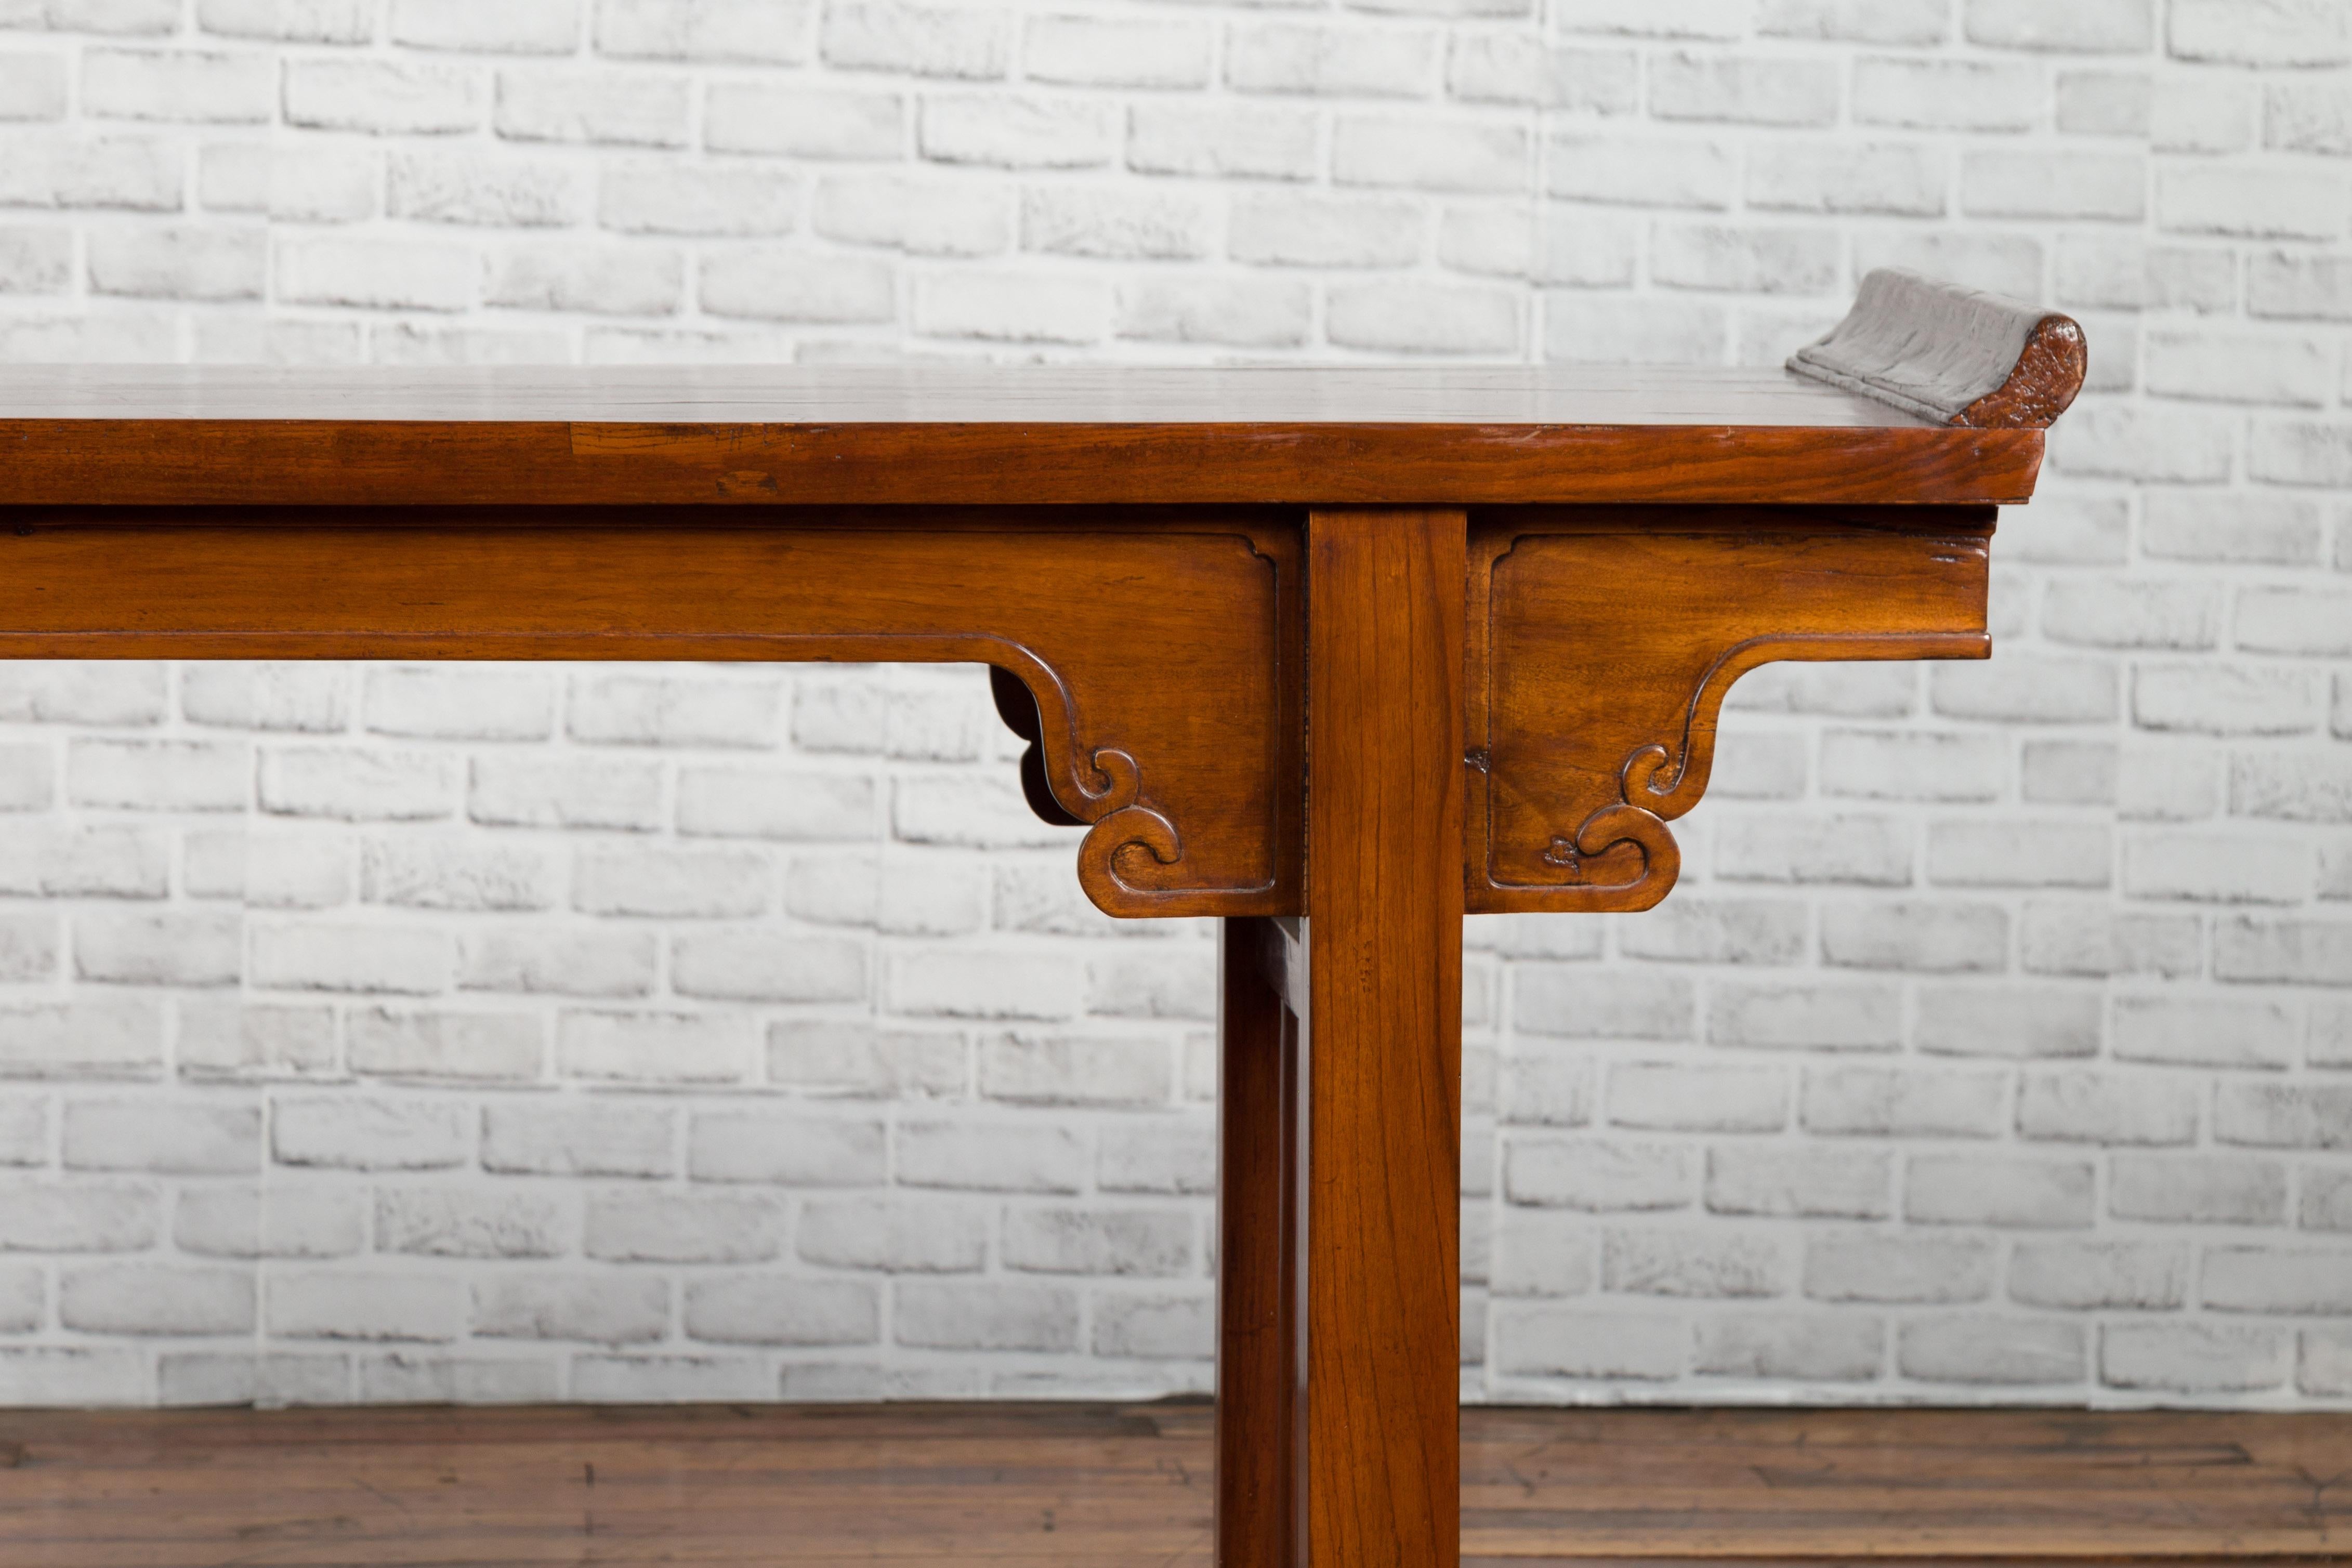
(1074, 1486)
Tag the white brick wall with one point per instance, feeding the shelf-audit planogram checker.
(405, 1034)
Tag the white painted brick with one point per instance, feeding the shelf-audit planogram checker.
(1022, 131)
(291, 21)
(1858, 21)
(268, 870)
(352, 957)
(1683, 1263)
(217, 88)
(160, 775)
(82, 1217)
(461, 1222)
(602, 1308)
(1543, 1256)
(370, 1132)
(476, 1047)
(578, 1138)
(2093, 26)
(1827, 1183)
(1503, 68)
(857, 1058)
(1153, 1243)
(994, 1156)
(2019, 853)
(1578, 1004)
(668, 1048)
(725, 32)
(2266, 32)
(276, 1219)
(2282, 1116)
(2075, 185)
(683, 1227)
(1074, 1070)
(569, 792)
(1422, 318)
(452, 871)
(731, 802)
(1155, 1327)
(2193, 1358)
(1692, 1098)
(2008, 1020)
(1092, 51)
(2191, 525)
(1413, 152)
(2302, 951)
(619, 280)
(131, 172)
(775, 1309)
(1894, 1267)
(2271, 203)
(1805, 1017)
(746, 117)
(230, 1039)
(984, 1315)
(1244, 313)
(375, 274)
(1847, 178)
(513, 26)
(1999, 1190)
(101, 1035)
(1942, 938)
(35, 260)
(563, 962)
(2197, 1189)
(920, 215)
(373, 1305)
(755, 965)
(1948, 95)
(1663, 19)
(670, 199)
(2087, 1106)
(1870, 851)
(1789, 1347)
(289, 697)
(2277, 1280)
(2061, 938)
(1581, 1342)
(177, 263)
(1160, 1156)
(1681, 173)
(1719, 931)
(385, 96)
(266, 1382)
(160, 1137)
(1151, 225)
(1744, 90)
(51, 1376)
(155, 1299)
(1990, 1351)
(656, 1379)
(598, 108)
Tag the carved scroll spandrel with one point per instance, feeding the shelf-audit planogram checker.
(1603, 643)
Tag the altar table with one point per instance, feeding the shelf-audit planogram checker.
(1334, 654)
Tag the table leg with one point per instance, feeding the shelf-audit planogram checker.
(1374, 1453)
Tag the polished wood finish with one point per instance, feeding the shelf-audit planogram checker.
(1383, 957)
(1364, 647)
(1111, 1487)
(1154, 650)
(1604, 639)
(949, 435)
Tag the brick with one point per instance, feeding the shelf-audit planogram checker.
(2126, 614)
(1074, 1070)
(114, 17)
(160, 775)
(273, 1219)
(1629, 172)
(1694, 1098)
(376, 274)
(1790, 1347)
(645, 1379)
(2250, 202)
(894, 1235)
(97, 1036)
(857, 1058)
(1150, 224)
(1240, 312)
(596, 1308)
(2294, 621)
(266, 1382)
(81, 1218)
(1744, 90)
(1501, 69)
(782, 285)
(2193, 524)
(35, 260)
(1417, 153)
(1825, 1017)
(1846, 178)
(618, 280)
(2201, 114)
(2077, 186)
(562, 961)
(1749, 260)
(719, 201)
(1990, 1350)
(32, 86)
(1868, 850)
(2089, 26)
(2140, 1276)
(2278, 1280)
(2193, 1358)
(1422, 319)
(2107, 1108)
(344, 1133)
(1541, 1255)
(54, 1375)
(598, 108)
(575, 792)
(1597, 1174)
(2058, 937)
(1663, 1262)
(1940, 938)
(1239, 141)
(2028, 1021)
(580, 1138)
(364, 958)
(762, 1309)
(994, 1156)
(457, 1222)
(2323, 1366)
(1857, 21)
(155, 1299)
(454, 871)
(2327, 1201)
(2216, 869)
(2017, 1191)
(229, 1039)
(1155, 1327)
(278, 696)
(1817, 1183)
(2184, 1031)
(2104, 103)
(290, 21)
(2019, 853)
(1164, 1157)
(791, 1150)
(2282, 948)
(660, 1226)
(1730, 931)
(188, 85)
(476, 1047)
(1121, 1242)
(2025, 690)
(670, 1048)
(160, 1137)
(748, 117)
(349, 1304)
(389, 96)
(29, 949)
(1616, 331)
(1579, 1005)
(722, 32)
(1662, 19)
(1026, 132)
(1879, 1266)
(2266, 33)
(1093, 51)
(2197, 1189)
(2300, 451)
(2007, 264)
(1581, 1342)
(754, 965)
(729, 802)
(512, 28)
(1292, 58)
(2307, 117)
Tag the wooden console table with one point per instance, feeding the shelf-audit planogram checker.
(1334, 654)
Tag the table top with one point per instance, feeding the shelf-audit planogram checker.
(965, 434)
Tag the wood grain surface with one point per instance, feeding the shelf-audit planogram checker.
(1076, 1486)
(1383, 1054)
(941, 435)
(1159, 650)
(1602, 640)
